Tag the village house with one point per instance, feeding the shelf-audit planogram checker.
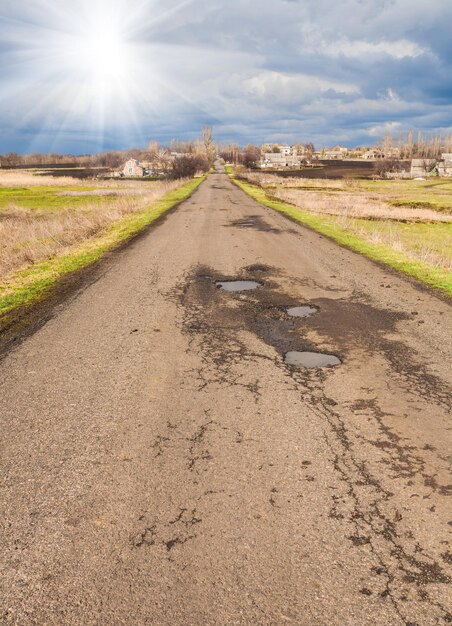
(336, 152)
(371, 155)
(288, 150)
(392, 152)
(378, 153)
(134, 169)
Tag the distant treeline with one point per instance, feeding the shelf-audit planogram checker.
(111, 159)
(179, 159)
(201, 148)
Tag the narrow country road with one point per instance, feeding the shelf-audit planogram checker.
(162, 465)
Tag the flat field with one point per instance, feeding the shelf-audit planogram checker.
(406, 223)
(52, 226)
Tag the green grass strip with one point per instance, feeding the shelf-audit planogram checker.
(429, 274)
(33, 283)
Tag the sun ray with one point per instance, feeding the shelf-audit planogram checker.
(96, 66)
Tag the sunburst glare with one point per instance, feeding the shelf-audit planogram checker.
(93, 64)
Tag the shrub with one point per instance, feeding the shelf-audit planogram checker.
(187, 166)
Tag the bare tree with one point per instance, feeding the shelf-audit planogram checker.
(207, 141)
(153, 147)
(384, 166)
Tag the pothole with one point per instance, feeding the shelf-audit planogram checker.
(256, 222)
(301, 311)
(311, 359)
(257, 268)
(238, 285)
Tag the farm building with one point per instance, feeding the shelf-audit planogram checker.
(277, 159)
(432, 167)
(336, 152)
(445, 165)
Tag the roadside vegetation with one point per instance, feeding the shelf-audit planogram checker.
(50, 227)
(405, 224)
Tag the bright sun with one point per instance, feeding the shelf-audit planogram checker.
(94, 66)
(99, 56)
(104, 55)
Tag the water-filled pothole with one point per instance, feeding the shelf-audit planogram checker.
(301, 311)
(238, 285)
(310, 359)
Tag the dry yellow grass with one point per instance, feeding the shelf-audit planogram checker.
(422, 250)
(267, 179)
(21, 178)
(420, 234)
(28, 236)
(25, 178)
(358, 206)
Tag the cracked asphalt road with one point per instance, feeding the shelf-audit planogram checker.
(162, 466)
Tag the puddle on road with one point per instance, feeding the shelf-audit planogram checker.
(301, 311)
(245, 223)
(310, 359)
(238, 285)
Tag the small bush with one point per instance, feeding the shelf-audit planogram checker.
(188, 166)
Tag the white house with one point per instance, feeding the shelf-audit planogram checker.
(288, 150)
(279, 159)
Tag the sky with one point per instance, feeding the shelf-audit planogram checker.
(90, 75)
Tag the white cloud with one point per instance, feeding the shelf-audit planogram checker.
(276, 87)
(310, 69)
(359, 49)
(389, 128)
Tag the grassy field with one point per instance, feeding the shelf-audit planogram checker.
(45, 236)
(41, 198)
(405, 224)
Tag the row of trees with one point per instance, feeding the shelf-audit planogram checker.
(418, 145)
(110, 159)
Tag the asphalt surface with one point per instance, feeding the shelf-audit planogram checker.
(162, 465)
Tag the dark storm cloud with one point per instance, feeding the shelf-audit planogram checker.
(303, 70)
